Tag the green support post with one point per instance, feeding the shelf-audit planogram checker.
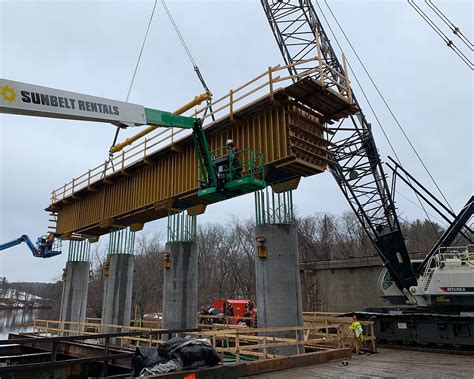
(181, 227)
(274, 207)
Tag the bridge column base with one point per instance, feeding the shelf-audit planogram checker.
(75, 285)
(118, 281)
(278, 285)
(180, 285)
(117, 291)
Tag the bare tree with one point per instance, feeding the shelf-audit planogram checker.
(148, 274)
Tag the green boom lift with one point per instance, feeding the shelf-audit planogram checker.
(223, 173)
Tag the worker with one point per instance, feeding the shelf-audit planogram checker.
(37, 252)
(229, 310)
(234, 154)
(356, 328)
(50, 239)
(248, 314)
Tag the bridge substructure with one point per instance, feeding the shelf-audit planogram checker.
(75, 285)
(277, 272)
(118, 279)
(180, 276)
(288, 124)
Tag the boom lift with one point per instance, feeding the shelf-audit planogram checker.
(46, 246)
(223, 173)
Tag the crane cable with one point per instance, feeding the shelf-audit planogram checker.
(389, 108)
(133, 76)
(440, 33)
(190, 56)
(371, 107)
(455, 29)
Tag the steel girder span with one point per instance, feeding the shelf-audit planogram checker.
(160, 174)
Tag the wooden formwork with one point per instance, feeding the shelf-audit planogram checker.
(346, 336)
(320, 332)
(239, 340)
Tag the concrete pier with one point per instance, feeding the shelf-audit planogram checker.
(118, 280)
(180, 285)
(278, 281)
(75, 285)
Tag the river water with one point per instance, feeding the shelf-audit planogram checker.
(21, 320)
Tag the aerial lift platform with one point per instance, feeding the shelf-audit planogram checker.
(46, 246)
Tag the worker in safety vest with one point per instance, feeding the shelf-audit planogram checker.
(356, 328)
(234, 154)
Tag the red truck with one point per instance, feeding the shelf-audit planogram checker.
(241, 308)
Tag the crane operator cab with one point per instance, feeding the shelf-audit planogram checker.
(47, 246)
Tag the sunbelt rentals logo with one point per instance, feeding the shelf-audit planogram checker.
(8, 94)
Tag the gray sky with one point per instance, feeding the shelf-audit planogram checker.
(92, 47)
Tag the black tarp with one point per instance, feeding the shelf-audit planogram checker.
(189, 352)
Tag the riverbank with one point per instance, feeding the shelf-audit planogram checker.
(6, 304)
(21, 320)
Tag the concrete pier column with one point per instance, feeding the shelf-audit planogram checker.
(118, 280)
(180, 287)
(278, 284)
(75, 285)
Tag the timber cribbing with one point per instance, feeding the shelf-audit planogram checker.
(160, 175)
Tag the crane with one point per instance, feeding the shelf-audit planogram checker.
(355, 164)
(46, 246)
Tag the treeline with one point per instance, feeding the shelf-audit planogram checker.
(226, 258)
(47, 291)
(325, 236)
(227, 252)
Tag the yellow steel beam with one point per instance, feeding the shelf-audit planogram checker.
(292, 147)
(196, 101)
(285, 124)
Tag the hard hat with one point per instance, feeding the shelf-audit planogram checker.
(229, 142)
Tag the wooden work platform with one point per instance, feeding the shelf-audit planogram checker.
(330, 103)
(388, 363)
(55, 348)
(160, 174)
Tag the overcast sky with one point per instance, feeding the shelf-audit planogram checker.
(92, 47)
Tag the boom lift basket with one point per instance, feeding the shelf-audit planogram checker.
(237, 173)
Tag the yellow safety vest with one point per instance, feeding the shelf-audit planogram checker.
(356, 327)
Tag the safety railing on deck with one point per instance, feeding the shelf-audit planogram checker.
(143, 335)
(241, 342)
(346, 336)
(227, 106)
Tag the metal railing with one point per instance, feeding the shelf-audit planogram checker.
(227, 106)
(245, 163)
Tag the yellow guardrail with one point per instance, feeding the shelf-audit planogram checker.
(226, 106)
